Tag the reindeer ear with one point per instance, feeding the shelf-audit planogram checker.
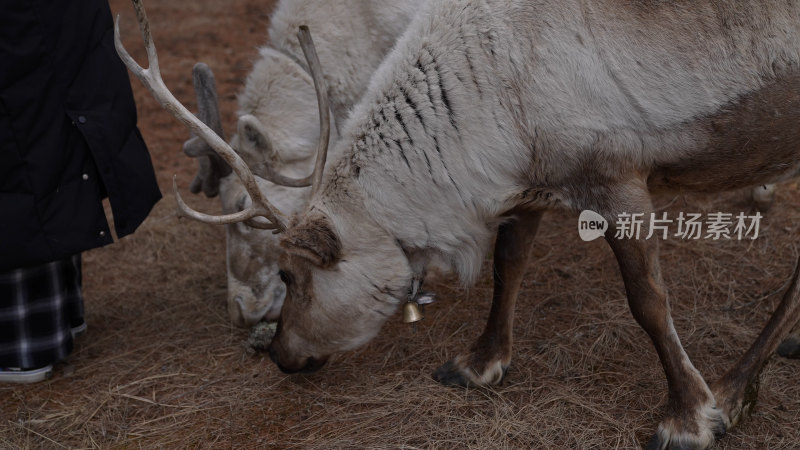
(254, 141)
(314, 240)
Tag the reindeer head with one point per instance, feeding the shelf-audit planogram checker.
(344, 274)
(255, 290)
(277, 127)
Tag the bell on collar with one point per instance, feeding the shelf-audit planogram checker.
(411, 313)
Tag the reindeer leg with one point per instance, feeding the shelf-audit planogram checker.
(489, 358)
(693, 418)
(737, 390)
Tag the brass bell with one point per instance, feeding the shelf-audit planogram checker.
(411, 313)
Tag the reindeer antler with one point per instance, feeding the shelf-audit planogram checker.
(315, 68)
(151, 78)
(211, 167)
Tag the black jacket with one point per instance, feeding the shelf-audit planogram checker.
(68, 135)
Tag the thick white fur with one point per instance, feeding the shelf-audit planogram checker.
(351, 38)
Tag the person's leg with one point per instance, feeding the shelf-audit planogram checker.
(74, 296)
(35, 329)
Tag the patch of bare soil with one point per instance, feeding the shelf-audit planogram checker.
(160, 366)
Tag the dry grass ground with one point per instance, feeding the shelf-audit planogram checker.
(160, 366)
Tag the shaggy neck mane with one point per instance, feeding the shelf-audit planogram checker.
(420, 153)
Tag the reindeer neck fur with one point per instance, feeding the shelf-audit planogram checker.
(425, 161)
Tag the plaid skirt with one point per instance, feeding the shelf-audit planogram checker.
(38, 307)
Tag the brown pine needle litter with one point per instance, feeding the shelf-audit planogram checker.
(161, 367)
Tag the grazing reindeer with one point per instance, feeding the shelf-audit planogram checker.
(486, 114)
(278, 125)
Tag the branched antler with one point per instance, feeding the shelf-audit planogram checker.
(211, 167)
(261, 207)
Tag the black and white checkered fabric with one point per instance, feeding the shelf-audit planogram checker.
(38, 306)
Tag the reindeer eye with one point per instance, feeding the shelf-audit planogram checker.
(285, 277)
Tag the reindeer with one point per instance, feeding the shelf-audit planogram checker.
(278, 125)
(488, 113)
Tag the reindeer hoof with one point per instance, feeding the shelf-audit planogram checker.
(460, 372)
(707, 425)
(763, 197)
(790, 347)
(658, 443)
(450, 375)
